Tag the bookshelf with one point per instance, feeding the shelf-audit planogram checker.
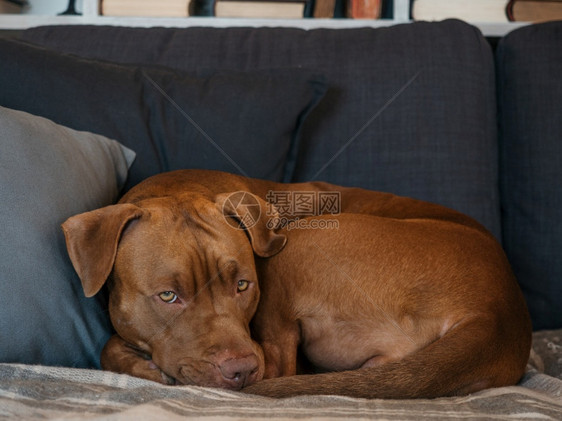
(90, 15)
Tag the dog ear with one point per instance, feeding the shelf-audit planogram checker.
(243, 210)
(92, 239)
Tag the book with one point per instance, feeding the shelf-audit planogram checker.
(145, 8)
(364, 9)
(534, 10)
(286, 9)
(324, 8)
(468, 10)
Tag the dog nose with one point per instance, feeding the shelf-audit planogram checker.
(239, 372)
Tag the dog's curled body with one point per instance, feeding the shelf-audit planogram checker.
(400, 299)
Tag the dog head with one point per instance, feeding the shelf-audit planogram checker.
(182, 280)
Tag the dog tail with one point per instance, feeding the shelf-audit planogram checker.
(472, 356)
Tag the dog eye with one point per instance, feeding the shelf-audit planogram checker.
(168, 296)
(243, 285)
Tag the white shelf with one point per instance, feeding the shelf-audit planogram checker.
(28, 21)
(90, 16)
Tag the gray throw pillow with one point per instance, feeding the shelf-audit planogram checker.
(48, 173)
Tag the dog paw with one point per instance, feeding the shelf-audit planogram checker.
(170, 381)
(154, 373)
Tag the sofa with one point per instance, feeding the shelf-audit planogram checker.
(432, 111)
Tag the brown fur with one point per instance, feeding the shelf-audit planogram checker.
(404, 299)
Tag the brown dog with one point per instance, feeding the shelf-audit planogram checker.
(392, 297)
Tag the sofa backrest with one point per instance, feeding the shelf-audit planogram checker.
(529, 65)
(410, 108)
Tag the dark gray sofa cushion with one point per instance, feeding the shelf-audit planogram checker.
(243, 122)
(410, 110)
(47, 174)
(529, 63)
